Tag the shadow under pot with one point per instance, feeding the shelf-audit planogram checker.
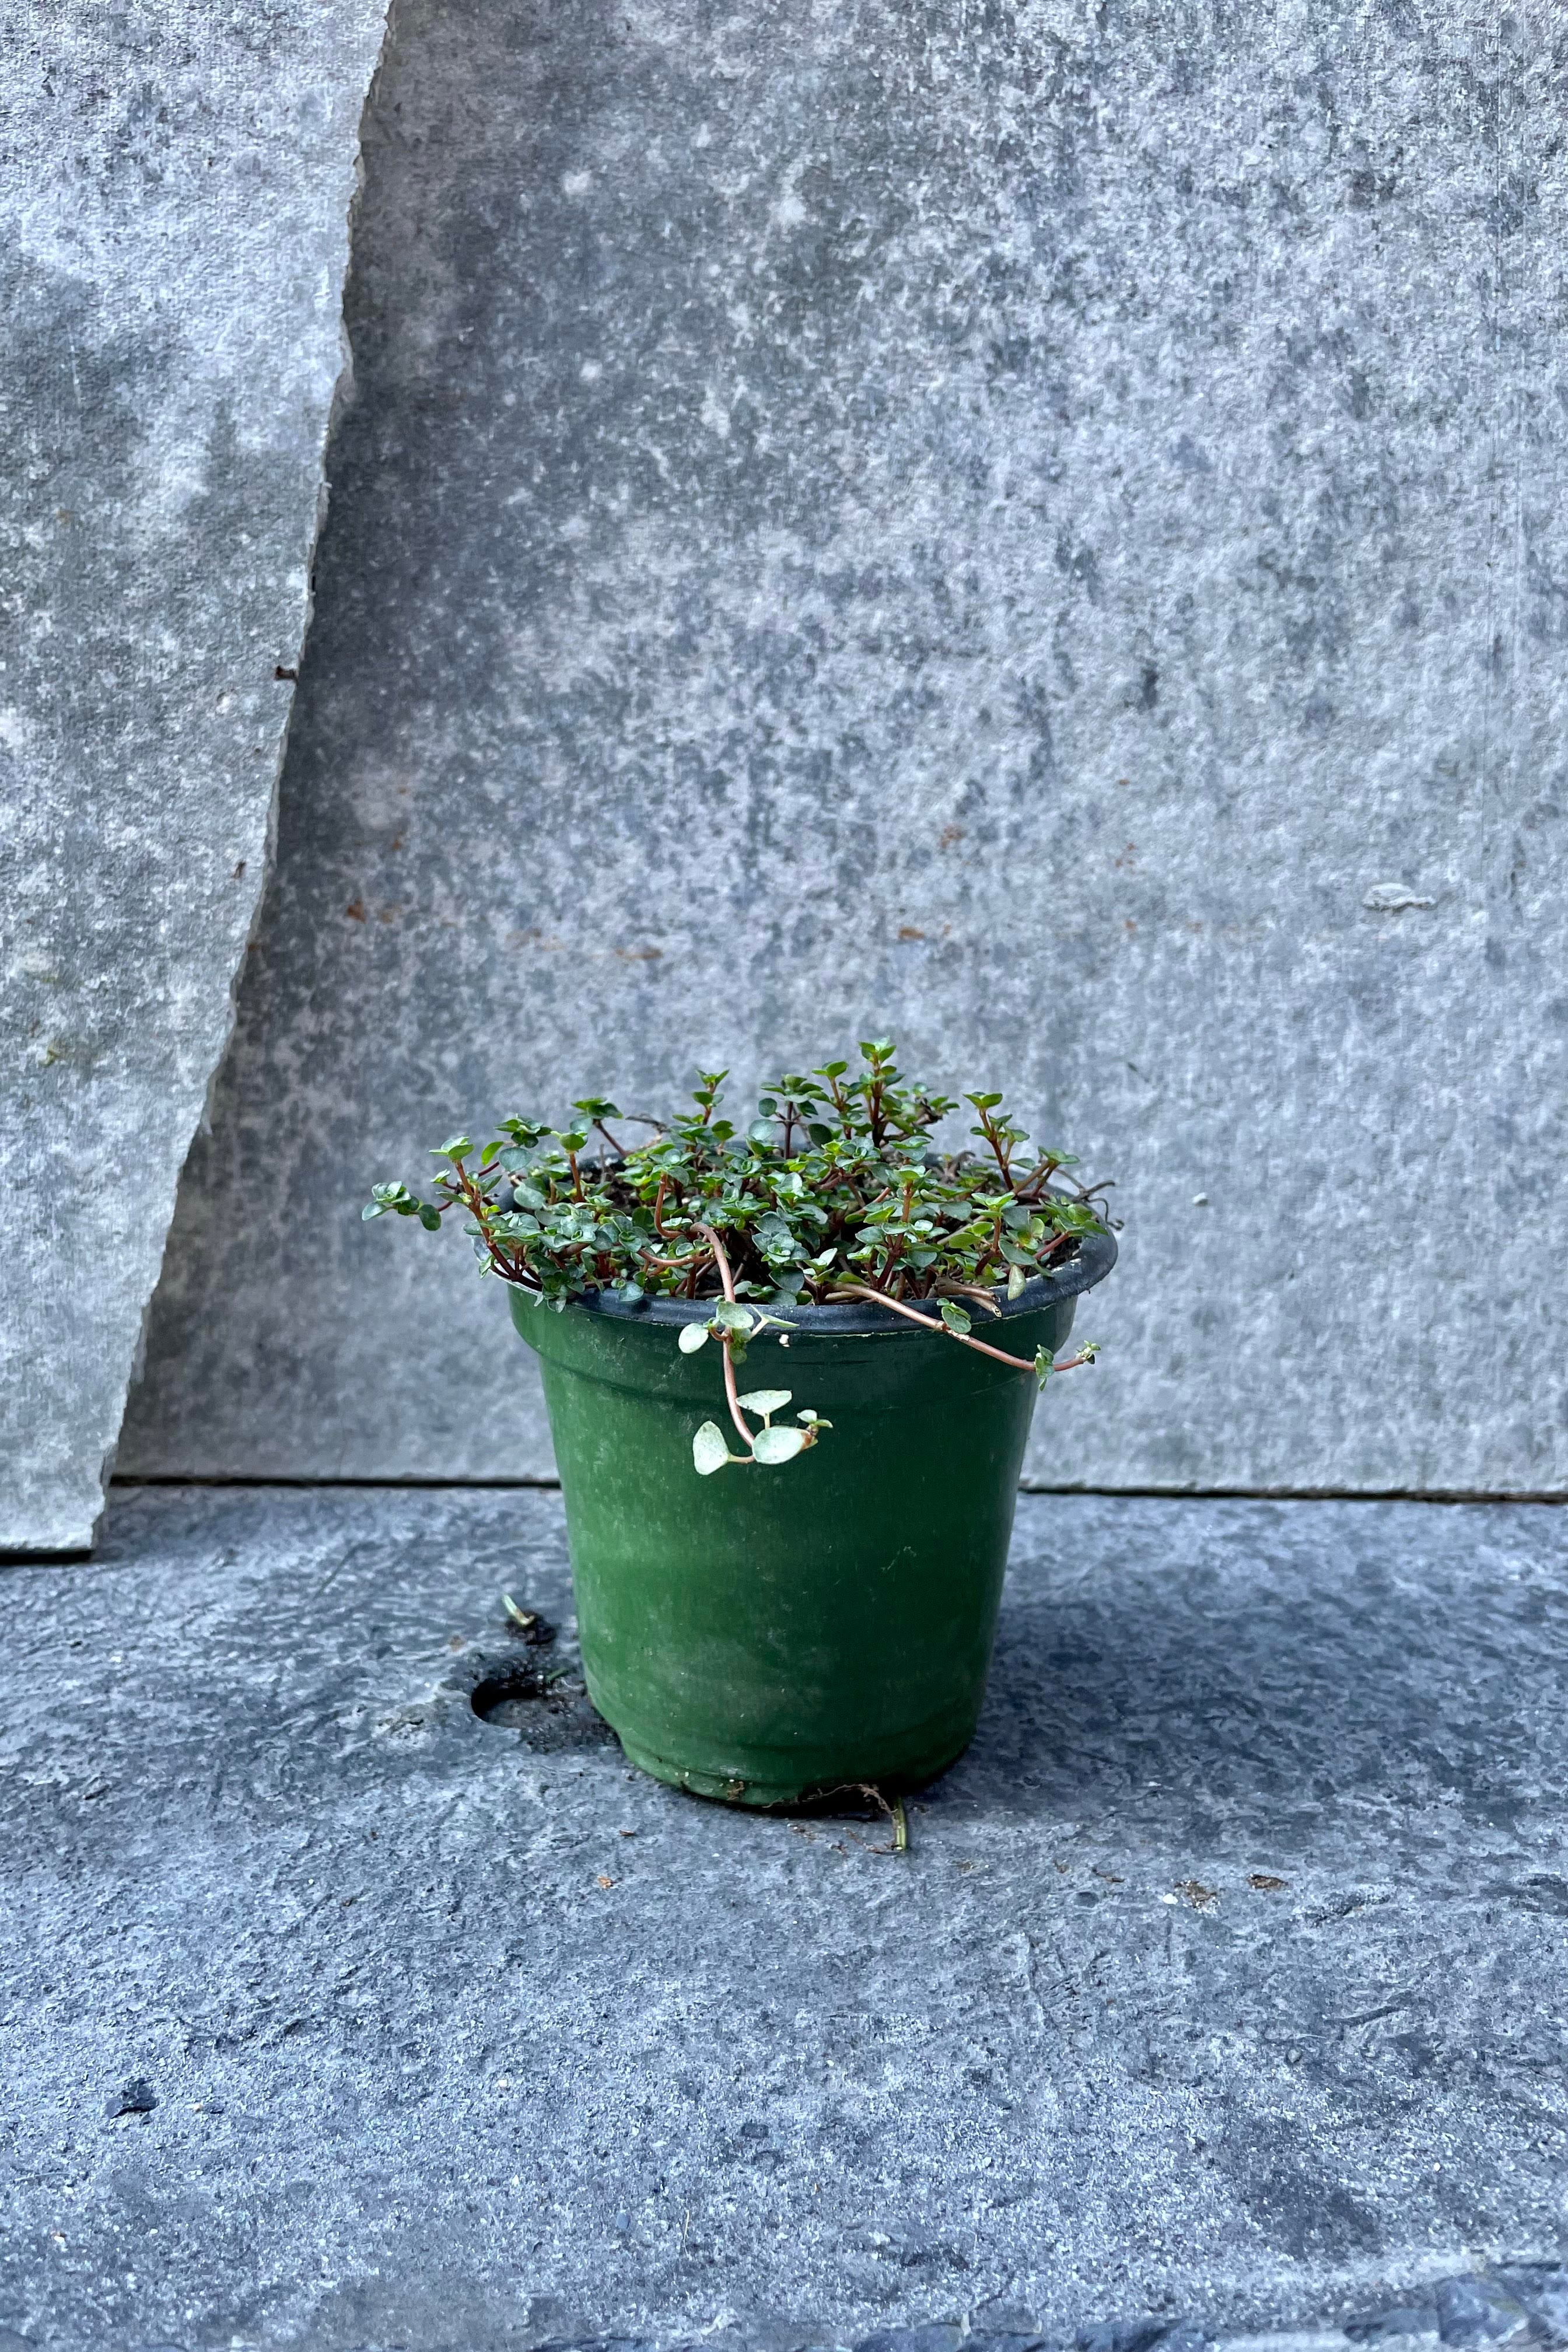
(769, 1633)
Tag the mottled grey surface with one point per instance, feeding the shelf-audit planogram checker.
(1033, 527)
(175, 188)
(1226, 1979)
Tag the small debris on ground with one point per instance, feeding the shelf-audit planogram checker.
(527, 1623)
(136, 2097)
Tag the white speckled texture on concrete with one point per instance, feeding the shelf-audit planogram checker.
(174, 189)
(1037, 528)
(1225, 1982)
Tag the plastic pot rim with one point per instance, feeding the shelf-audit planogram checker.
(1091, 1261)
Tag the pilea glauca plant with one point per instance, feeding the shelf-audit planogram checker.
(835, 1192)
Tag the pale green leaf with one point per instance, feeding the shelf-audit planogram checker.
(771, 1446)
(765, 1400)
(692, 1337)
(708, 1450)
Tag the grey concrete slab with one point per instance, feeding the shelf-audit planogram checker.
(1035, 527)
(1226, 1985)
(175, 188)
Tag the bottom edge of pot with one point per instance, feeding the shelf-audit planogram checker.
(769, 1795)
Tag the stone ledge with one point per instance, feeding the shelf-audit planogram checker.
(1223, 1998)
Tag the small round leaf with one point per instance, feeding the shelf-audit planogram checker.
(692, 1337)
(765, 1400)
(708, 1450)
(771, 1446)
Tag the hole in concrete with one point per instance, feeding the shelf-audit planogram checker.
(547, 1705)
(508, 1695)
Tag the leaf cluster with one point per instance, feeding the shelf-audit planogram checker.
(834, 1187)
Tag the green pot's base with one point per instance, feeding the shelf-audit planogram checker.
(766, 1795)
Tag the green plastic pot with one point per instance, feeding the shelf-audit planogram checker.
(767, 1634)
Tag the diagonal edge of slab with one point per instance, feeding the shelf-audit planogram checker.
(175, 188)
(1064, 618)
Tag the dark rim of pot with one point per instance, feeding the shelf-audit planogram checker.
(1090, 1262)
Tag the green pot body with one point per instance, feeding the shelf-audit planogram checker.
(765, 1635)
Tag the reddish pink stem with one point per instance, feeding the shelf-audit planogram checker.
(728, 1279)
(1019, 1364)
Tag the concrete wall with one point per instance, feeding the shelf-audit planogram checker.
(1037, 528)
(175, 178)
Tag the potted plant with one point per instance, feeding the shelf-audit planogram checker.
(789, 1373)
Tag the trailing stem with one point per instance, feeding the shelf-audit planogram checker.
(732, 1392)
(964, 1339)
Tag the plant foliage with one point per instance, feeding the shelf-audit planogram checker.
(835, 1190)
